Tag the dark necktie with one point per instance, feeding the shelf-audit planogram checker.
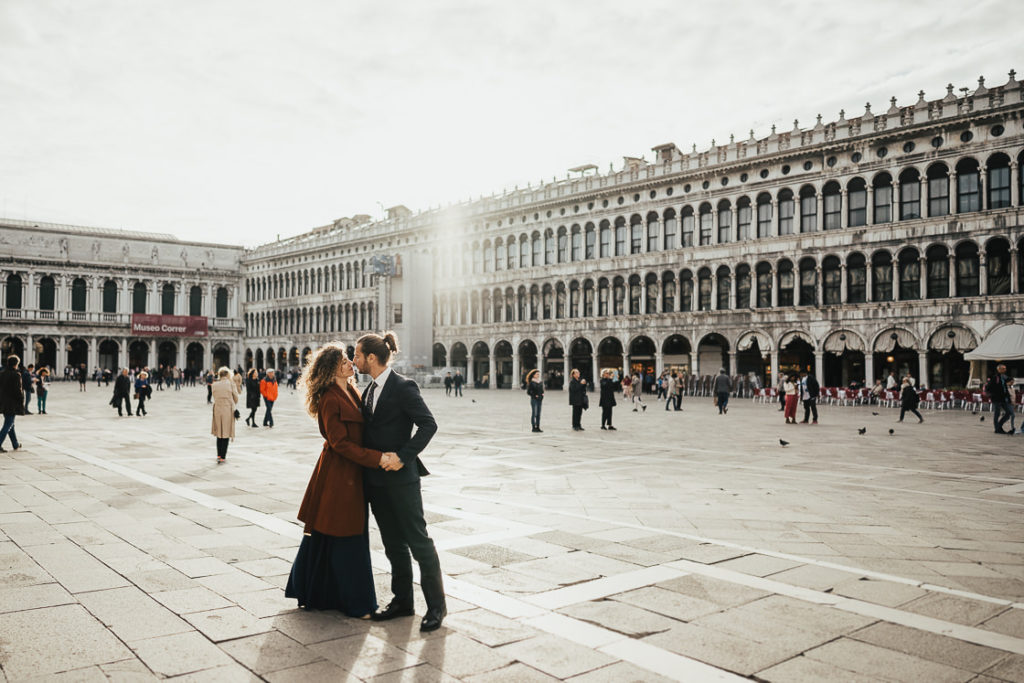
(368, 399)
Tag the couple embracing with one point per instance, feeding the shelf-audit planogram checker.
(370, 455)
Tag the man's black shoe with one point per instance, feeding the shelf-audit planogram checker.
(1000, 431)
(393, 611)
(433, 618)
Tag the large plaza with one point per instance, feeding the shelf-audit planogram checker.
(684, 546)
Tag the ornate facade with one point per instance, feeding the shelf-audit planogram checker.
(69, 292)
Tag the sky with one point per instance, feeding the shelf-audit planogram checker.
(239, 121)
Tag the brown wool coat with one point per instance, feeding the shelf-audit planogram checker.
(224, 399)
(334, 503)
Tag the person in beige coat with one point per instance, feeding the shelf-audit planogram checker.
(225, 396)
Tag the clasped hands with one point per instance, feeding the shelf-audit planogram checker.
(391, 462)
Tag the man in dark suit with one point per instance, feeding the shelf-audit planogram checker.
(577, 398)
(392, 406)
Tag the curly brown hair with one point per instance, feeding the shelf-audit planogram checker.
(319, 373)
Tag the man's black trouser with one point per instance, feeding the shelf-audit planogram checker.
(810, 407)
(577, 416)
(399, 514)
(127, 403)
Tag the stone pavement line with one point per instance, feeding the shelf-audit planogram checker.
(643, 655)
(772, 553)
(602, 588)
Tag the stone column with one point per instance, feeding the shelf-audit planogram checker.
(922, 369)
(1014, 265)
(983, 187)
(870, 208)
(492, 371)
(923, 279)
(982, 274)
(820, 218)
(714, 292)
(734, 225)
(515, 366)
(122, 352)
(660, 303)
(844, 217)
(869, 369)
(773, 228)
(869, 281)
(595, 378)
(30, 352)
(1014, 183)
(732, 290)
(659, 364)
(819, 366)
(94, 352)
(731, 369)
(775, 367)
(842, 283)
(470, 374)
(775, 289)
(180, 360)
(894, 202)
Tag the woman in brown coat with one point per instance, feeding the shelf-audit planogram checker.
(332, 568)
(224, 399)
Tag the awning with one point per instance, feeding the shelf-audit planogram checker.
(947, 337)
(1005, 343)
(887, 341)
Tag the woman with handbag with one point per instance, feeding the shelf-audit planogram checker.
(224, 399)
(141, 393)
(607, 401)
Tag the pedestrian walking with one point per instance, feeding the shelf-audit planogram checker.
(670, 391)
(809, 393)
(998, 390)
(789, 390)
(252, 396)
(535, 389)
(28, 380)
(1012, 396)
(143, 390)
(209, 379)
(42, 390)
(82, 377)
(224, 399)
(638, 393)
(722, 388)
(627, 388)
(268, 390)
(12, 400)
(448, 384)
(577, 398)
(607, 400)
(909, 401)
(457, 383)
(122, 393)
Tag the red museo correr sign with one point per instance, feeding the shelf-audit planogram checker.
(148, 325)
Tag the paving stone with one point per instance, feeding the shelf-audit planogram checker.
(50, 640)
(230, 673)
(240, 553)
(953, 608)
(887, 593)
(18, 569)
(507, 581)
(803, 670)
(309, 627)
(131, 614)
(709, 553)
(201, 566)
(268, 652)
(619, 617)
(488, 628)
(872, 660)
(712, 590)
(758, 565)
(88, 674)
(270, 566)
(264, 603)
(188, 600)
(128, 670)
(234, 581)
(457, 655)
(166, 579)
(317, 671)
(1010, 669)
(518, 672)
(555, 656)
(492, 555)
(179, 654)
(74, 568)
(416, 674)
(930, 646)
(623, 672)
(724, 650)
(364, 655)
(226, 623)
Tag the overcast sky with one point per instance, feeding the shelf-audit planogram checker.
(238, 120)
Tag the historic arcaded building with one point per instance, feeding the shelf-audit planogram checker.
(885, 240)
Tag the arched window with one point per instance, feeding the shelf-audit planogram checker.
(602, 297)
(606, 239)
(576, 244)
(998, 181)
(670, 230)
(110, 297)
(47, 293)
(620, 236)
(478, 258)
(743, 218)
(764, 284)
(910, 194)
(968, 186)
(652, 231)
(167, 299)
(857, 196)
(909, 262)
(500, 256)
(195, 301)
(808, 209)
(833, 205)
(560, 300)
(808, 282)
(881, 276)
(938, 272)
(488, 257)
(687, 226)
(636, 234)
(635, 294)
(938, 190)
(997, 266)
(743, 286)
(222, 302)
(764, 215)
(787, 207)
(707, 221)
(651, 302)
(538, 250)
(724, 221)
(967, 281)
(563, 245)
(139, 295)
(704, 289)
(787, 282)
(882, 188)
(831, 286)
(619, 296)
(686, 291)
(723, 285)
(549, 247)
(524, 252)
(856, 279)
(77, 295)
(588, 299)
(668, 292)
(574, 299)
(13, 299)
(590, 242)
(547, 300)
(534, 302)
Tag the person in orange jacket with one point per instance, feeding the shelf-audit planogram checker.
(268, 389)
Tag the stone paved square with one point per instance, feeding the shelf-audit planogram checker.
(684, 546)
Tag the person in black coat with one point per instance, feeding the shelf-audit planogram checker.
(909, 401)
(577, 398)
(12, 400)
(252, 396)
(607, 401)
(392, 406)
(27, 385)
(810, 395)
(123, 392)
(535, 390)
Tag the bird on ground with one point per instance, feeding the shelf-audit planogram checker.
(891, 432)
(982, 418)
(862, 430)
(783, 443)
(874, 413)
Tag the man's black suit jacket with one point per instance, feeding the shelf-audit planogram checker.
(398, 407)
